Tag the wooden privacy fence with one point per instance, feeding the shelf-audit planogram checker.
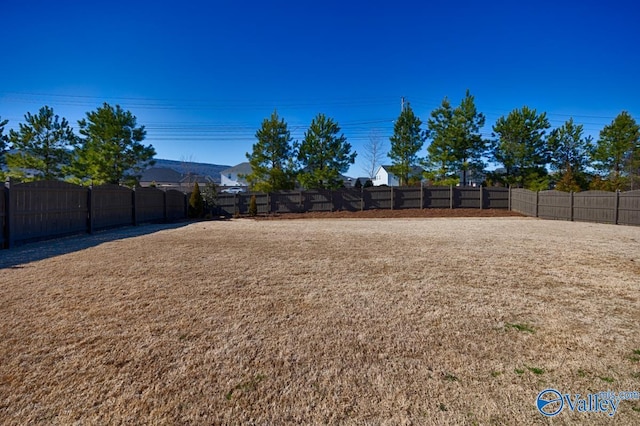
(620, 208)
(48, 209)
(352, 199)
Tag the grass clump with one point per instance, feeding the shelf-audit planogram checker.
(535, 370)
(520, 327)
(249, 385)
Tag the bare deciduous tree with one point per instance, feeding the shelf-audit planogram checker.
(373, 153)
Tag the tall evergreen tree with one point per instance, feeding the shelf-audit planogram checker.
(323, 155)
(272, 157)
(111, 150)
(617, 153)
(521, 146)
(457, 145)
(407, 140)
(42, 146)
(569, 155)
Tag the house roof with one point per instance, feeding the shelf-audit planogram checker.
(193, 177)
(416, 170)
(160, 175)
(238, 169)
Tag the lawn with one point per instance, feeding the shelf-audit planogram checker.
(323, 321)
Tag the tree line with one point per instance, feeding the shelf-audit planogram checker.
(530, 153)
(108, 148)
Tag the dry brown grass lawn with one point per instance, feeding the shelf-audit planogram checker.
(383, 321)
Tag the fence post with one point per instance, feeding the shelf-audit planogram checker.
(333, 206)
(362, 198)
(617, 211)
(391, 197)
(451, 196)
(166, 210)
(537, 201)
(481, 198)
(134, 220)
(8, 218)
(571, 206)
(90, 210)
(421, 196)
(509, 200)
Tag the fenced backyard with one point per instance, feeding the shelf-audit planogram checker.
(49, 209)
(323, 321)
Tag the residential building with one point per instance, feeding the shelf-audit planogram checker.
(385, 177)
(234, 176)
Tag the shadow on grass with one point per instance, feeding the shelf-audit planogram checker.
(31, 252)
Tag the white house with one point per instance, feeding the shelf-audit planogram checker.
(233, 176)
(385, 177)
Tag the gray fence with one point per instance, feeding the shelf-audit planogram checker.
(48, 209)
(591, 206)
(366, 199)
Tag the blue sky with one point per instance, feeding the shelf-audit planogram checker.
(202, 75)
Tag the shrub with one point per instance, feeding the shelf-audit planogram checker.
(253, 206)
(196, 204)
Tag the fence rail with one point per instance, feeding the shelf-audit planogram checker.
(620, 208)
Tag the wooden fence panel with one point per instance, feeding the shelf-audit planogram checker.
(595, 206)
(226, 204)
(47, 209)
(149, 205)
(437, 197)
(524, 201)
(554, 205)
(629, 208)
(111, 206)
(319, 200)
(495, 198)
(176, 205)
(465, 197)
(377, 197)
(262, 202)
(287, 202)
(349, 199)
(408, 197)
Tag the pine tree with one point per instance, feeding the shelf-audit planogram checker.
(42, 146)
(617, 154)
(406, 141)
(324, 155)
(272, 157)
(569, 156)
(521, 146)
(111, 150)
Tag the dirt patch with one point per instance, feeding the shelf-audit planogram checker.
(397, 321)
(390, 214)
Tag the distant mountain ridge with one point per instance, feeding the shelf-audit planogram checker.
(185, 167)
